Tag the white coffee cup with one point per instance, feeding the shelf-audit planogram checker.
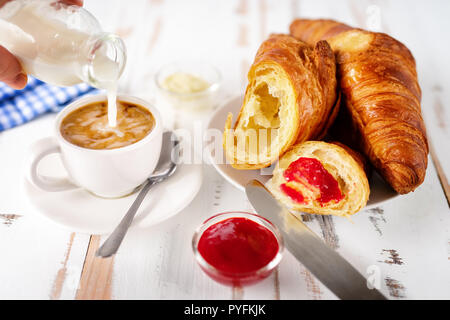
(107, 173)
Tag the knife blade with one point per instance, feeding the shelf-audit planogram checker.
(323, 262)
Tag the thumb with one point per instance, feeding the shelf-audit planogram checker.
(11, 71)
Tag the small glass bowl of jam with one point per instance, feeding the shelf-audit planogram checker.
(237, 248)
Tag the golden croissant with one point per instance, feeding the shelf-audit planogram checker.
(321, 178)
(291, 97)
(378, 79)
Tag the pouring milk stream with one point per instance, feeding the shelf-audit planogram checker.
(63, 45)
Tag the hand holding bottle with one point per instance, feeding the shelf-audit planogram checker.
(11, 71)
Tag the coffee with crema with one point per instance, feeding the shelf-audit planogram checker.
(88, 126)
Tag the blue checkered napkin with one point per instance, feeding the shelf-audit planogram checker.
(20, 106)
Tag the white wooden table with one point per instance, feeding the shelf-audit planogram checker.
(404, 244)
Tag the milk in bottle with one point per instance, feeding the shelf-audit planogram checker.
(63, 45)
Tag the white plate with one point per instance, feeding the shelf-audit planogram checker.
(81, 211)
(380, 192)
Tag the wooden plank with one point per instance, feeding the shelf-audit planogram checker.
(39, 259)
(60, 278)
(441, 173)
(96, 278)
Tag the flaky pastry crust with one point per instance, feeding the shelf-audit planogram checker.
(291, 95)
(378, 79)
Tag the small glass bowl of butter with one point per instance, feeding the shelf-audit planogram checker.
(188, 85)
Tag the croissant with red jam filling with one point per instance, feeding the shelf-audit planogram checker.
(321, 178)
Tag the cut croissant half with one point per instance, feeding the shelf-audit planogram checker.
(321, 178)
(291, 97)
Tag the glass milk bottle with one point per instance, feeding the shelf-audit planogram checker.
(61, 44)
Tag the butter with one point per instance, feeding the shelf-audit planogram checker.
(181, 82)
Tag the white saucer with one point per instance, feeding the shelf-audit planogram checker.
(380, 192)
(81, 211)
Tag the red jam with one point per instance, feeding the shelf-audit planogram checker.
(311, 173)
(292, 193)
(237, 245)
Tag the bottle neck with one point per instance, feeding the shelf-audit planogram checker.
(104, 59)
